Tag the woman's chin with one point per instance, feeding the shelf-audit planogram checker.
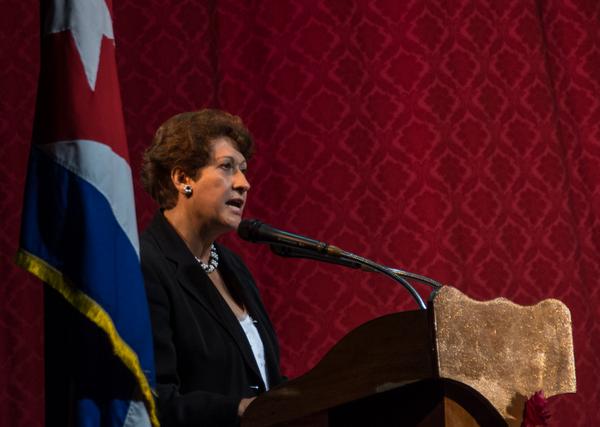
(232, 222)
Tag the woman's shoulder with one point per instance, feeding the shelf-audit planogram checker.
(153, 226)
(158, 265)
(149, 242)
(160, 239)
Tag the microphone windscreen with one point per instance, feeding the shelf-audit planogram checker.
(248, 228)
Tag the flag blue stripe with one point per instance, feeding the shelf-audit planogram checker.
(71, 226)
(92, 414)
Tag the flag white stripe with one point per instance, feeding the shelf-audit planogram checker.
(137, 416)
(108, 172)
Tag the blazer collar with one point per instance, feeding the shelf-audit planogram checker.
(196, 283)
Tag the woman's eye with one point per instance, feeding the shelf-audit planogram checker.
(226, 166)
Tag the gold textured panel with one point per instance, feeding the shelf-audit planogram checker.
(505, 351)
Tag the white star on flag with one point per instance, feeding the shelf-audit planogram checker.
(88, 21)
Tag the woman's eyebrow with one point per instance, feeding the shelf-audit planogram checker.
(233, 159)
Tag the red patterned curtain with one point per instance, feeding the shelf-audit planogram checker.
(457, 139)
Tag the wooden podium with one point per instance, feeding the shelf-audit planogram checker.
(459, 363)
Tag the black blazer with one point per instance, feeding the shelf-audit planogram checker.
(204, 363)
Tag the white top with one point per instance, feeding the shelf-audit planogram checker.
(257, 346)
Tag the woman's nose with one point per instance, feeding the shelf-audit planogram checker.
(241, 181)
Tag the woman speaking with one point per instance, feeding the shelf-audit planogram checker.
(214, 346)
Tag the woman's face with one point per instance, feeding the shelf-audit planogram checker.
(219, 192)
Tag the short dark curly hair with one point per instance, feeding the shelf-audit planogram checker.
(184, 141)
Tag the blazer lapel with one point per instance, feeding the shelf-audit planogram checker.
(194, 280)
(262, 322)
(197, 283)
(241, 340)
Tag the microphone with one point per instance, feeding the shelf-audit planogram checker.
(255, 231)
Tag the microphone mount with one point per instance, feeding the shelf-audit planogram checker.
(388, 272)
(293, 252)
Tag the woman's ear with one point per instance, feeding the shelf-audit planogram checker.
(178, 177)
(181, 182)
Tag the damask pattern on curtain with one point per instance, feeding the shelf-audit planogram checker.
(457, 139)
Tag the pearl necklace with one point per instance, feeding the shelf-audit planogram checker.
(213, 261)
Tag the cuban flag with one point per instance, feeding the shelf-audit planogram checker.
(79, 231)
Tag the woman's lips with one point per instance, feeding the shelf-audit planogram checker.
(236, 205)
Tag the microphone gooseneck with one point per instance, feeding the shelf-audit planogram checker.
(290, 252)
(288, 244)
